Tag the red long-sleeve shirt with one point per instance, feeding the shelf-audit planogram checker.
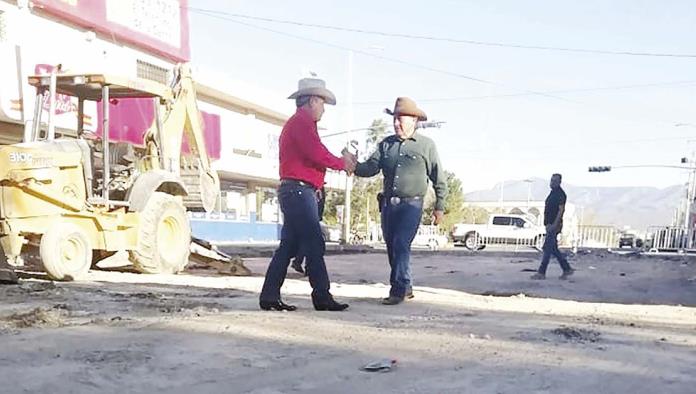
(302, 155)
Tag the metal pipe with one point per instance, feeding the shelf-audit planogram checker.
(52, 104)
(158, 138)
(105, 145)
(112, 202)
(36, 127)
(80, 116)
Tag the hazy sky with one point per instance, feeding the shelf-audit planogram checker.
(553, 111)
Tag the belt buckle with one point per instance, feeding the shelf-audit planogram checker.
(395, 200)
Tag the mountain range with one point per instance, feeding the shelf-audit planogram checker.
(637, 207)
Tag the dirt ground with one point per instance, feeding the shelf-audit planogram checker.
(477, 325)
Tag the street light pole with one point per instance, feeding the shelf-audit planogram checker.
(689, 198)
(502, 195)
(529, 191)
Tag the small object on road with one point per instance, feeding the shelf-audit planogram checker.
(577, 334)
(206, 254)
(622, 274)
(591, 267)
(8, 276)
(384, 365)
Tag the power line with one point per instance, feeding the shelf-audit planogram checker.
(521, 92)
(588, 144)
(565, 91)
(389, 59)
(442, 39)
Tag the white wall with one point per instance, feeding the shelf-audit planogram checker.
(32, 39)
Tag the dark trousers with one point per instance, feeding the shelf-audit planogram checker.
(399, 225)
(551, 249)
(300, 229)
(321, 199)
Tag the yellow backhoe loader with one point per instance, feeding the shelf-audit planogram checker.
(75, 201)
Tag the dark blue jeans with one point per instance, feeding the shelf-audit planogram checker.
(301, 229)
(399, 225)
(551, 249)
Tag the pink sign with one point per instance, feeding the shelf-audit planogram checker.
(130, 118)
(64, 103)
(160, 26)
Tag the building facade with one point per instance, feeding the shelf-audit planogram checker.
(146, 39)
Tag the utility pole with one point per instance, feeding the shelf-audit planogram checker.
(345, 234)
(690, 194)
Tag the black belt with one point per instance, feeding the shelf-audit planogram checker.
(296, 182)
(396, 200)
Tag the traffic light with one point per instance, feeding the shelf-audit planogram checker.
(600, 169)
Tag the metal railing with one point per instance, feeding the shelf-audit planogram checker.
(591, 236)
(659, 239)
(478, 242)
(603, 237)
(669, 239)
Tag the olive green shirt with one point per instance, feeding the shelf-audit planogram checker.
(407, 165)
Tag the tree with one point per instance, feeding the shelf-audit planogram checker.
(454, 203)
(363, 206)
(474, 215)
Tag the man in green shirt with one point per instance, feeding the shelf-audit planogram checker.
(407, 160)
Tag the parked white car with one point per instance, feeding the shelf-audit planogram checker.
(500, 229)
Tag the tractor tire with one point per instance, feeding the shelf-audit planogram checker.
(164, 236)
(65, 250)
(471, 241)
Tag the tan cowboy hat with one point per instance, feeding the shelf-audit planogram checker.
(314, 87)
(406, 106)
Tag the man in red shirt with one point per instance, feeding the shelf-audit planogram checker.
(303, 163)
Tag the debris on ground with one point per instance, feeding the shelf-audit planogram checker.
(8, 276)
(384, 365)
(497, 293)
(577, 334)
(39, 317)
(203, 253)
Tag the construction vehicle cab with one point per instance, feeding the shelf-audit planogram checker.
(74, 201)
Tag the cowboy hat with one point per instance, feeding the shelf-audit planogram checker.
(406, 106)
(314, 87)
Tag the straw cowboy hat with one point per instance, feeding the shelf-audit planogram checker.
(406, 106)
(314, 87)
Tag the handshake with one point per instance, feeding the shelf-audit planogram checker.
(349, 161)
